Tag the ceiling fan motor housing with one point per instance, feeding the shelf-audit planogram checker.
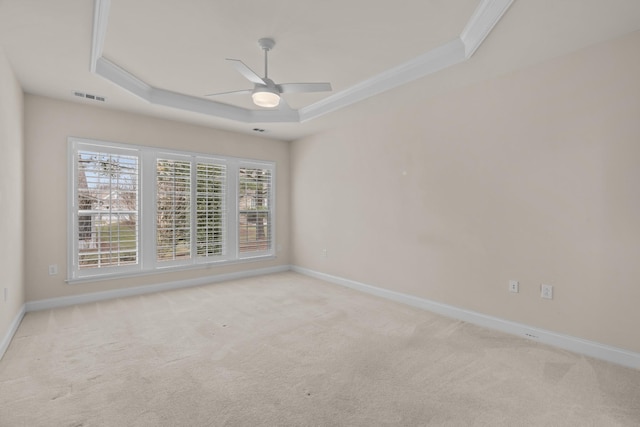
(266, 43)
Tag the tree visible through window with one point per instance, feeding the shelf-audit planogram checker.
(139, 209)
(210, 209)
(254, 220)
(173, 195)
(107, 209)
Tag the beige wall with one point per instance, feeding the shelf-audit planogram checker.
(534, 176)
(48, 124)
(11, 196)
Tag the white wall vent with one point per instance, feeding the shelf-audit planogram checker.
(89, 96)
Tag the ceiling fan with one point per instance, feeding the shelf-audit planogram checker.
(265, 92)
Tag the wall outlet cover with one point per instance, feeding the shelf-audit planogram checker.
(514, 286)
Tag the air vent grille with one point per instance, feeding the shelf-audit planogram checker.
(89, 96)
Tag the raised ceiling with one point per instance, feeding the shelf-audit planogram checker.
(446, 49)
(376, 56)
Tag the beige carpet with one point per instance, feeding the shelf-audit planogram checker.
(288, 350)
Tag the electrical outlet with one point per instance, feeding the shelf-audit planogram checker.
(324, 253)
(546, 291)
(53, 269)
(514, 286)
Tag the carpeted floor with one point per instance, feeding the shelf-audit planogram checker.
(289, 350)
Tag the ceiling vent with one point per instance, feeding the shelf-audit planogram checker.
(89, 96)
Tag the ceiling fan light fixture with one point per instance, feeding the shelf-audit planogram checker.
(265, 97)
(265, 92)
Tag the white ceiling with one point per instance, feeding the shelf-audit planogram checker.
(180, 46)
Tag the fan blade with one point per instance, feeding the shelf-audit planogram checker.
(304, 87)
(235, 92)
(246, 72)
(283, 105)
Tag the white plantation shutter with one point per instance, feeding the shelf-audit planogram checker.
(136, 209)
(210, 209)
(173, 210)
(254, 210)
(105, 223)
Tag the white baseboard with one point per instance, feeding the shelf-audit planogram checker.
(576, 345)
(4, 345)
(47, 304)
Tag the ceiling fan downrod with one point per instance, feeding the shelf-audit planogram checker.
(266, 44)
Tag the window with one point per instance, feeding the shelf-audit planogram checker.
(136, 209)
(254, 219)
(106, 209)
(176, 210)
(173, 210)
(210, 210)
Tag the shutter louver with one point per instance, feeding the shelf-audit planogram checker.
(173, 210)
(254, 210)
(107, 209)
(210, 209)
(137, 210)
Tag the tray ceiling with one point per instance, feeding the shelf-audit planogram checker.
(159, 57)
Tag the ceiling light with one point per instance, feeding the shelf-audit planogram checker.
(266, 97)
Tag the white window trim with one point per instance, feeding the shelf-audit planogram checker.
(147, 198)
(272, 201)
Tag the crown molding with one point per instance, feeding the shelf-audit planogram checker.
(122, 78)
(483, 20)
(485, 17)
(428, 63)
(127, 81)
(100, 18)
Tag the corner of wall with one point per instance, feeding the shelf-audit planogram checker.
(12, 290)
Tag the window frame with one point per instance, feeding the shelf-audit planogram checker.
(148, 262)
(270, 211)
(72, 212)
